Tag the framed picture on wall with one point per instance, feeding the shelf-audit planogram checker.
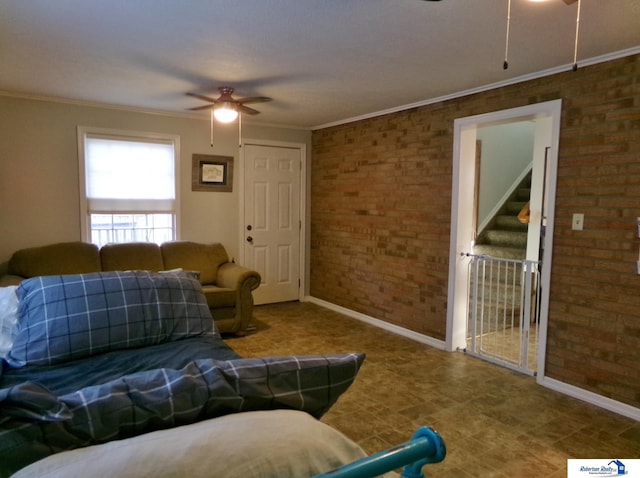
(211, 173)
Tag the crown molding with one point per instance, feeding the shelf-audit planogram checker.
(491, 86)
(134, 109)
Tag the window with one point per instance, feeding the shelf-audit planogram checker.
(128, 186)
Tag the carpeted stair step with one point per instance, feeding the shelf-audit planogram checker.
(514, 207)
(516, 253)
(510, 223)
(497, 237)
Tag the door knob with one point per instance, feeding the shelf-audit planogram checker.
(249, 239)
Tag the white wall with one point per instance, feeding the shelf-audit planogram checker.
(39, 192)
(507, 148)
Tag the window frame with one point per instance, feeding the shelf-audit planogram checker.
(126, 135)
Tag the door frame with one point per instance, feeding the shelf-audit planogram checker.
(302, 147)
(461, 240)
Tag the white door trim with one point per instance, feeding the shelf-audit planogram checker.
(461, 235)
(303, 202)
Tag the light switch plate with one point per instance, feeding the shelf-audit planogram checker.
(577, 222)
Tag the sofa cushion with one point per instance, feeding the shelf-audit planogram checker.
(204, 258)
(53, 259)
(141, 256)
(68, 317)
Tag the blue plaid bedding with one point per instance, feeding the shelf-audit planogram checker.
(67, 377)
(67, 317)
(34, 423)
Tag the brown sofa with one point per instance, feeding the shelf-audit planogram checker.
(227, 286)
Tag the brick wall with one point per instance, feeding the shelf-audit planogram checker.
(381, 209)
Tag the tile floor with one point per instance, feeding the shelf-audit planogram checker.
(495, 422)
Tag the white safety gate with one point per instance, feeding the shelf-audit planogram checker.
(503, 311)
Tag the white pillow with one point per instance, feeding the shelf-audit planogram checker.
(8, 318)
(264, 444)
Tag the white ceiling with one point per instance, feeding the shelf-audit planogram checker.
(322, 61)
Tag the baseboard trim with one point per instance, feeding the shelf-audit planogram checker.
(592, 398)
(424, 339)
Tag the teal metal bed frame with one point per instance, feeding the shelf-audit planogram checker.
(425, 447)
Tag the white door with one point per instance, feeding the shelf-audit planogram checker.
(272, 220)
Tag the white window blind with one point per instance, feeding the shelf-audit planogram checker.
(126, 175)
(129, 186)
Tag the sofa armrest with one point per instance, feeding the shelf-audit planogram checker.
(243, 280)
(233, 276)
(10, 279)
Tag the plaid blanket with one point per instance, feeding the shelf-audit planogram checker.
(34, 423)
(68, 317)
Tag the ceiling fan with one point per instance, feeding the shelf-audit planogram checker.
(227, 101)
(226, 108)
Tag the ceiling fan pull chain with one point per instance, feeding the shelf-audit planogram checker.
(212, 128)
(505, 65)
(575, 47)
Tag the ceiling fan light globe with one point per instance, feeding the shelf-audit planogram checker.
(225, 113)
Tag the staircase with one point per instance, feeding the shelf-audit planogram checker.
(506, 237)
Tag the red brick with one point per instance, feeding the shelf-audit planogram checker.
(381, 210)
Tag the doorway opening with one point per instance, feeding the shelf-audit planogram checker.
(468, 221)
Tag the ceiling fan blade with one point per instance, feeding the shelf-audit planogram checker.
(247, 110)
(253, 99)
(569, 2)
(202, 97)
(205, 107)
